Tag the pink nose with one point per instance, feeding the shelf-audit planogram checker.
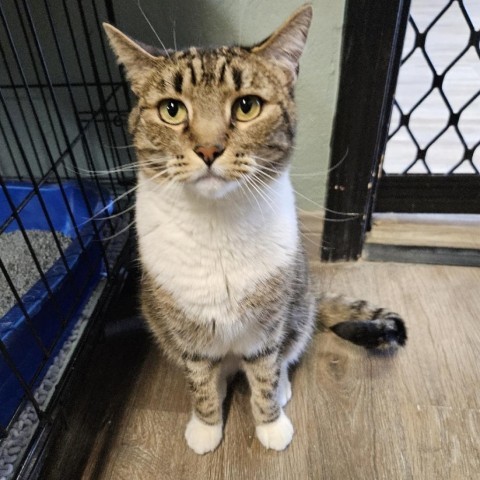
(209, 153)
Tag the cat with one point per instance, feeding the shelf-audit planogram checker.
(225, 281)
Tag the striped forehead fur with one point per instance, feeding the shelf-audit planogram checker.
(212, 67)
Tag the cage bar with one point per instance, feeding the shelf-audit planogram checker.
(64, 173)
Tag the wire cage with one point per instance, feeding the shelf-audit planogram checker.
(65, 180)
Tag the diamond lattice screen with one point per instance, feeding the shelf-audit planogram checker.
(435, 124)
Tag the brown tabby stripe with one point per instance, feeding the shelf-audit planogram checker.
(203, 378)
(193, 77)
(237, 78)
(288, 123)
(263, 376)
(222, 72)
(377, 313)
(262, 353)
(178, 82)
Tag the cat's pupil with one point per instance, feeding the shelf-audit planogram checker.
(246, 104)
(172, 108)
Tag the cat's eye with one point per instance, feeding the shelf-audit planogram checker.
(247, 108)
(172, 111)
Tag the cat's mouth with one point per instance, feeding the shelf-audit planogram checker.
(210, 175)
(212, 185)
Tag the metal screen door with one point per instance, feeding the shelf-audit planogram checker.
(432, 159)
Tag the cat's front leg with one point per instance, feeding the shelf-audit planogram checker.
(205, 429)
(273, 427)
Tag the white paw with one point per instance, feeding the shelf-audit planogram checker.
(276, 435)
(284, 392)
(203, 438)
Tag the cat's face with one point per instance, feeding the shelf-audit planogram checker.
(214, 120)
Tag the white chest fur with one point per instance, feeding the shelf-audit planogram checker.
(210, 254)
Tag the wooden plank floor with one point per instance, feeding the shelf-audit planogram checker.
(424, 238)
(415, 415)
(428, 230)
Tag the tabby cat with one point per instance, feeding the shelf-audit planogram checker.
(225, 282)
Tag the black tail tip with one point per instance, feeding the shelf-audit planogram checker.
(381, 334)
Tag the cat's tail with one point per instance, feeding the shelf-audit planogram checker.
(361, 323)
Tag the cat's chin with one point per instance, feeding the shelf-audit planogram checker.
(213, 187)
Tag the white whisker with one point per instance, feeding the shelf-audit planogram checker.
(323, 172)
(126, 168)
(123, 195)
(352, 215)
(262, 194)
(175, 34)
(250, 193)
(304, 174)
(151, 26)
(263, 183)
(340, 220)
(305, 236)
(302, 234)
(120, 147)
(115, 215)
(123, 230)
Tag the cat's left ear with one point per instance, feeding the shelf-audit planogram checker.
(137, 58)
(285, 45)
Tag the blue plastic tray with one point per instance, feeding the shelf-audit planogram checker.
(51, 318)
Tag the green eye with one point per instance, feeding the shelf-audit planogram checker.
(247, 108)
(172, 111)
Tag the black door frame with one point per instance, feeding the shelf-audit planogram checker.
(373, 36)
(458, 193)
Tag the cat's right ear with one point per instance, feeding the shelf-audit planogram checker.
(133, 55)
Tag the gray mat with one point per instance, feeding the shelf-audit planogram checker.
(19, 262)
